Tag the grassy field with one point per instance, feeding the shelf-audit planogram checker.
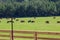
(39, 25)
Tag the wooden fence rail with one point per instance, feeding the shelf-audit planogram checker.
(35, 37)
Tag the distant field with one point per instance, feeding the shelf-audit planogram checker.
(39, 24)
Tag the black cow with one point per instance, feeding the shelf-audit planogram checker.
(47, 21)
(22, 21)
(58, 21)
(32, 21)
(29, 21)
(10, 21)
(17, 19)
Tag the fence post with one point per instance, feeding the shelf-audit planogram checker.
(11, 35)
(35, 37)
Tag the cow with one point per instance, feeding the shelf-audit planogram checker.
(17, 19)
(32, 21)
(47, 21)
(58, 21)
(29, 21)
(10, 21)
(22, 21)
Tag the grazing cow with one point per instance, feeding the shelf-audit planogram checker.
(22, 21)
(17, 19)
(47, 21)
(58, 21)
(10, 21)
(29, 21)
(32, 21)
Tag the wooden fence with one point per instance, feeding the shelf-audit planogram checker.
(35, 37)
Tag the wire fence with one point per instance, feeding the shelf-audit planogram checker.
(35, 37)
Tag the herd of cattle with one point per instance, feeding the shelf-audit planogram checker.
(22, 21)
(30, 21)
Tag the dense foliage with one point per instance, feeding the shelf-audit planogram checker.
(29, 8)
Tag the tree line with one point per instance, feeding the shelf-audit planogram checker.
(29, 8)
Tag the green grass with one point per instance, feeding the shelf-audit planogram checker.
(4, 24)
(39, 25)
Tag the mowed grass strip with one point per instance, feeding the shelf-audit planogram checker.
(23, 39)
(4, 33)
(5, 38)
(22, 34)
(48, 36)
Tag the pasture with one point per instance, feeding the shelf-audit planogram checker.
(32, 24)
